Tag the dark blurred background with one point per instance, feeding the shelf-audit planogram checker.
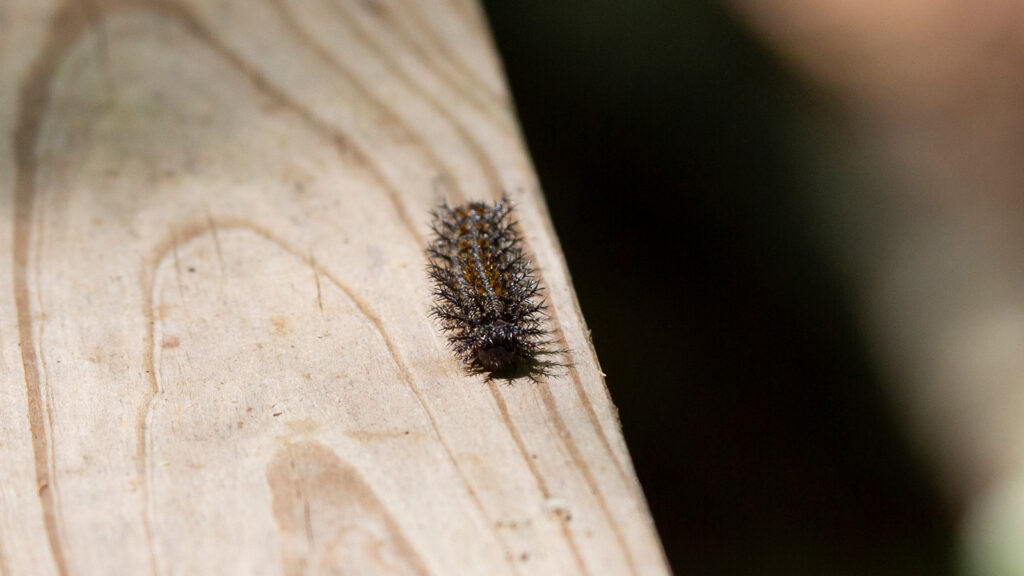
(676, 156)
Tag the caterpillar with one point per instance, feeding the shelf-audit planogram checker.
(487, 299)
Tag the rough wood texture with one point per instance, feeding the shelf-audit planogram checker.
(216, 357)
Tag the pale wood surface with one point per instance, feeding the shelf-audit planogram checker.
(215, 355)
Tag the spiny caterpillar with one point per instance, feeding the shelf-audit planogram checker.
(486, 297)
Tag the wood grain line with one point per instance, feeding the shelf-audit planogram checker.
(542, 485)
(5, 566)
(499, 121)
(316, 278)
(474, 147)
(44, 373)
(584, 399)
(33, 101)
(463, 9)
(143, 471)
(177, 271)
(328, 488)
(470, 16)
(92, 15)
(307, 520)
(216, 243)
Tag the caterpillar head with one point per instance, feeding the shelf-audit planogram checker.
(498, 346)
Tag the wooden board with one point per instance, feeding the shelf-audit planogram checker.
(216, 356)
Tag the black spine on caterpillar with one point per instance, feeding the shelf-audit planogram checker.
(486, 297)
